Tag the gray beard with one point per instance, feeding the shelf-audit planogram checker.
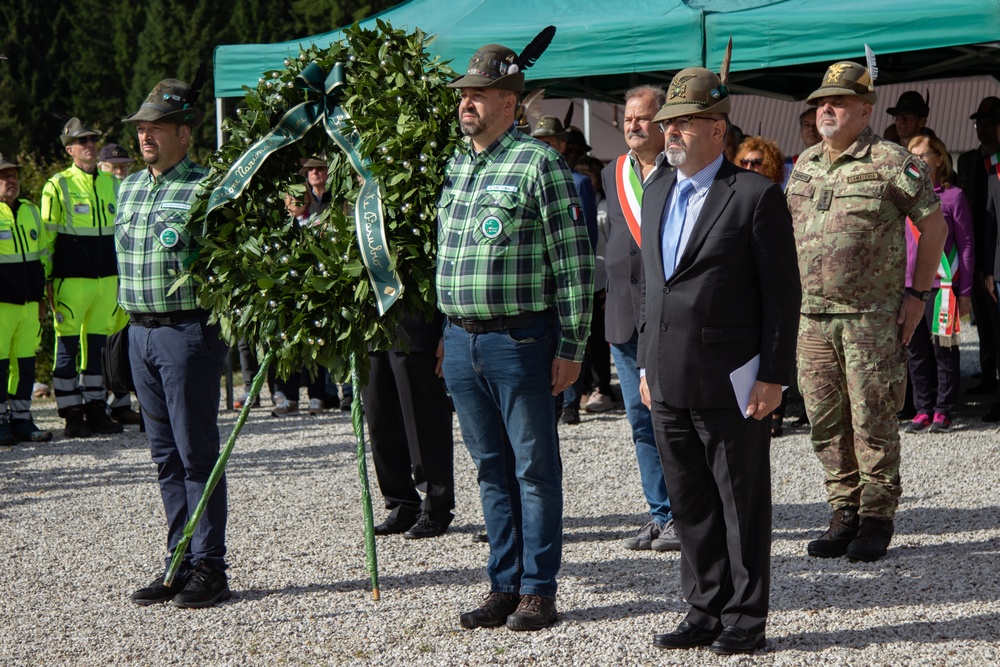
(676, 156)
(828, 130)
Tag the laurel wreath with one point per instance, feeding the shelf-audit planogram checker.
(301, 290)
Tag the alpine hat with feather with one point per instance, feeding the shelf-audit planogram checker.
(496, 66)
(696, 90)
(75, 129)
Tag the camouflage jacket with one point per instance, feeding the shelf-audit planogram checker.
(849, 218)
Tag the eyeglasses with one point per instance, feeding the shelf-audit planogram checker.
(683, 123)
(924, 156)
(83, 141)
(756, 162)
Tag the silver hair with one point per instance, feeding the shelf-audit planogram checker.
(658, 93)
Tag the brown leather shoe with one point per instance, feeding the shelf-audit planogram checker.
(493, 612)
(533, 613)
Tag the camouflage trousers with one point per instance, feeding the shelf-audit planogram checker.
(852, 375)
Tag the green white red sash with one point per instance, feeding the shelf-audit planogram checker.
(945, 324)
(629, 196)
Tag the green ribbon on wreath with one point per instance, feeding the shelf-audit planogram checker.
(368, 214)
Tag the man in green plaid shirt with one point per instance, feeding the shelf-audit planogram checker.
(515, 277)
(176, 354)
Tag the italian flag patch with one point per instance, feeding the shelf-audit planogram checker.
(912, 171)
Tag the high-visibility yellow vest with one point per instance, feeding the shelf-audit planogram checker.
(23, 253)
(78, 210)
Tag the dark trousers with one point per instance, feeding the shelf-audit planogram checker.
(177, 370)
(717, 467)
(935, 370)
(316, 387)
(409, 421)
(988, 329)
(596, 371)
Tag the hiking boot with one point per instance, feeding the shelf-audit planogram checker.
(125, 416)
(941, 423)
(833, 543)
(667, 540)
(7, 437)
(205, 587)
(922, 422)
(643, 540)
(872, 541)
(315, 406)
(533, 613)
(26, 431)
(156, 592)
(493, 612)
(76, 427)
(98, 420)
(428, 526)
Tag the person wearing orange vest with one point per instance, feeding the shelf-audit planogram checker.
(78, 208)
(22, 284)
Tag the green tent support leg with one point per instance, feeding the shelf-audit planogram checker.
(218, 470)
(371, 558)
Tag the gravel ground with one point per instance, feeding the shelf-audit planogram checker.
(81, 526)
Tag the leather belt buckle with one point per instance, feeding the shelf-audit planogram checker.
(150, 322)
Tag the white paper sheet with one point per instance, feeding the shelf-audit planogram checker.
(743, 379)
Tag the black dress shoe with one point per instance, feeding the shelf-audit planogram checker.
(737, 640)
(687, 635)
(428, 525)
(395, 524)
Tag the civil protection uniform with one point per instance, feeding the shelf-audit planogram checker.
(23, 255)
(176, 354)
(515, 278)
(78, 210)
(849, 218)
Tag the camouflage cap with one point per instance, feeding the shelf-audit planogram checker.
(492, 66)
(695, 90)
(114, 154)
(845, 78)
(910, 102)
(168, 102)
(7, 164)
(74, 130)
(550, 126)
(989, 110)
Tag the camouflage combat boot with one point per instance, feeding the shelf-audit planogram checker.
(872, 541)
(834, 542)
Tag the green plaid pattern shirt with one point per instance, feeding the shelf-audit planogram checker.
(153, 238)
(512, 240)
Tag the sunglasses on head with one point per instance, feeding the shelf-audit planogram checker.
(756, 162)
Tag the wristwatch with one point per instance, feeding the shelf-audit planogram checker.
(923, 296)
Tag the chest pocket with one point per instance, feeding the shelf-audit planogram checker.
(498, 218)
(856, 207)
(169, 231)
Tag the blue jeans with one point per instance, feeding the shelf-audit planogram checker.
(177, 370)
(500, 383)
(646, 452)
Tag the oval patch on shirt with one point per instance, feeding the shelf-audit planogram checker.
(492, 227)
(169, 237)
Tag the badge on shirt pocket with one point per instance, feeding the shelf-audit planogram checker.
(169, 229)
(496, 217)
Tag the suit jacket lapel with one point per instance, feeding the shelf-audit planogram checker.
(654, 203)
(716, 201)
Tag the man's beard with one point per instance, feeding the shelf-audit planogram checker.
(676, 153)
(825, 130)
(471, 128)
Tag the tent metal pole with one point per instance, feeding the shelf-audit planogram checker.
(586, 120)
(220, 110)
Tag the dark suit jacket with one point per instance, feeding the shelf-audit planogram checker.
(972, 178)
(623, 262)
(735, 293)
(991, 241)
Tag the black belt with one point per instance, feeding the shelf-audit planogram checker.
(501, 323)
(153, 320)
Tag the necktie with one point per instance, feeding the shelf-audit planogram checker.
(673, 226)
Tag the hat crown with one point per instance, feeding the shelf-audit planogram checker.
(849, 76)
(170, 101)
(492, 61)
(75, 129)
(910, 102)
(695, 90)
(548, 126)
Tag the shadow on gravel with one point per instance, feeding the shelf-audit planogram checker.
(979, 628)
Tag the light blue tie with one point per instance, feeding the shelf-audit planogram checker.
(673, 226)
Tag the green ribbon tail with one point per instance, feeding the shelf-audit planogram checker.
(371, 558)
(219, 470)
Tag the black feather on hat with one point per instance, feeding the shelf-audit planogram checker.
(496, 66)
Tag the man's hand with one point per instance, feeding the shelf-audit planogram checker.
(564, 373)
(964, 306)
(910, 313)
(991, 286)
(440, 358)
(644, 393)
(764, 398)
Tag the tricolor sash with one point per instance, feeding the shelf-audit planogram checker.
(629, 196)
(946, 323)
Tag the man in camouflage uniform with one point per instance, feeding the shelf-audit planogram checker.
(849, 196)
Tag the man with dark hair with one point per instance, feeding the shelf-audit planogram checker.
(515, 278)
(909, 116)
(175, 352)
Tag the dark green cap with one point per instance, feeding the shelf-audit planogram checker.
(169, 102)
(74, 130)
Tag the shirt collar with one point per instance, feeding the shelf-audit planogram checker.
(702, 180)
(502, 143)
(176, 172)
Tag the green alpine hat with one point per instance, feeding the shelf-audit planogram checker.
(7, 164)
(695, 90)
(170, 101)
(492, 66)
(74, 130)
(550, 126)
(845, 78)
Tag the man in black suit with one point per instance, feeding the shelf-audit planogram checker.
(722, 287)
